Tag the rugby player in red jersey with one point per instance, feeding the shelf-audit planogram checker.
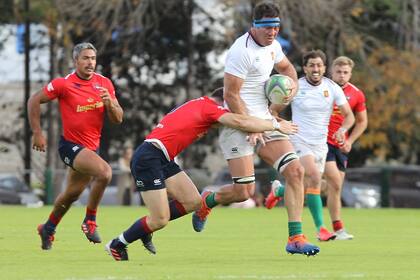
(337, 152)
(84, 97)
(157, 176)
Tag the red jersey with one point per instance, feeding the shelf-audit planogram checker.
(81, 107)
(185, 124)
(356, 99)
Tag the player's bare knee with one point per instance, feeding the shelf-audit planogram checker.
(294, 173)
(105, 174)
(313, 178)
(333, 186)
(158, 222)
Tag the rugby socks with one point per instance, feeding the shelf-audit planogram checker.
(294, 228)
(90, 214)
(337, 225)
(176, 210)
(52, 223)
(279, 191)
(314, 202)
(210, 200)
(136, 231)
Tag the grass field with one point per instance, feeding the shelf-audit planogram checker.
(237, 244)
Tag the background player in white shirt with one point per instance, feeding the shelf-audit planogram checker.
(311, 111)
(249, 63)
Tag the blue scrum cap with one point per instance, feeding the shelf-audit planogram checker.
(266, 22)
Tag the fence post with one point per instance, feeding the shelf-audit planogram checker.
(385, 181)
(48, 187)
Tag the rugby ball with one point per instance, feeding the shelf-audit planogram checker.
(277, 87)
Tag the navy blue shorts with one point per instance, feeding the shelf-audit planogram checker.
(150, 168)
(334, 154)
(68, 151)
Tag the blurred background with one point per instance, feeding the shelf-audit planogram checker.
(160, 53)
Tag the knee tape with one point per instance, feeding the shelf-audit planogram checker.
(283, 161)
(244, 180)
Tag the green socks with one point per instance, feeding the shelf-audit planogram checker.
(314, 203)
(210, 201)
(295, 228)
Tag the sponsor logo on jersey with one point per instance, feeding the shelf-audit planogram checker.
(235, 150)
(50, 87)
(89, 107)
(157, 182)
(326, 93)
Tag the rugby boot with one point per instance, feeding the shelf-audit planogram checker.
(325, 235)
(148, 244)
(271, 200)
(117, 250)
(342, 234)
(46, 238)
(89, 228)
(199, 217)
(298, 244)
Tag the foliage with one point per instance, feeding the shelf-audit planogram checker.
(394, 104)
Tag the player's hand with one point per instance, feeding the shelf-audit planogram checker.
(105, 96)
(287, 127)
(293, 91)
(254, 138)
(346, 147)
(340, 137)
(39, 143)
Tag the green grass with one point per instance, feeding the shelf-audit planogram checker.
(237, 244)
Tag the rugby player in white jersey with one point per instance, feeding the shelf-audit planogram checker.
(249, 63)
(311, 111)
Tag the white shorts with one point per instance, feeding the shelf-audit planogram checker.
(234, 143)
(319, 152)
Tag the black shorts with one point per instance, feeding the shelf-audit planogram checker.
(150, 168)
(68, 151)
(334, 154)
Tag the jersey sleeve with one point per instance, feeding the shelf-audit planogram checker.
(339, 97)
(55, 88)
(361, 102)
(238, 61)
(278, 52)
(212, 112)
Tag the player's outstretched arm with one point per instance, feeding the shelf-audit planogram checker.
(39, 142)
(253, 124)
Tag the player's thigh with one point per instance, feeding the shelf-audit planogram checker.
(242, 166)
(332, 173)
(156, 201)
(274, 150)
(89, 162)
(181, 188)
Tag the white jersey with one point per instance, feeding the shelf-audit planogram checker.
(312, 107)
(253, 63)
